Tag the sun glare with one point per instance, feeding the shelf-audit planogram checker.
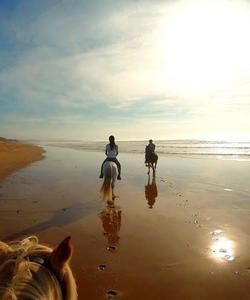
(223, 249)
(205, 44)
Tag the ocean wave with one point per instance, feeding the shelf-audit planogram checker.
(167, 148)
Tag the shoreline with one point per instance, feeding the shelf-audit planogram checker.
(15, 155)
(217, 156)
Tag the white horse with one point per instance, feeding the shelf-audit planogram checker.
(110, 173)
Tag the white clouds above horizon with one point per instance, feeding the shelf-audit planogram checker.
(75, 60)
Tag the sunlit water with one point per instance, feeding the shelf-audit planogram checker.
(222, 247)
(220, 150)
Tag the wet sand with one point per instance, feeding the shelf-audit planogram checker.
(15, 155)
(184, 236)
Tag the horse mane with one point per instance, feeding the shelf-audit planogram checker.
(21, 278)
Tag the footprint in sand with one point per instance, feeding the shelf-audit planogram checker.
(102, 267)
(112, 294)
(216, 232)
(112, 248)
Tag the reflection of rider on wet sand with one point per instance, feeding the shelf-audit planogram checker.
(151, 192)
(111, 222)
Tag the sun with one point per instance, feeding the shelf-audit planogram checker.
(205, 44)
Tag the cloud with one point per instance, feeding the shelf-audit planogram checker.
(71, 59)
(76, 62)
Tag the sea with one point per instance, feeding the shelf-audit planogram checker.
(192, 148)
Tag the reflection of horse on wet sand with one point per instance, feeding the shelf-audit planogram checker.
(111, 223)
(29, 270)
(111, 215)
(151, 192)
(110, 173)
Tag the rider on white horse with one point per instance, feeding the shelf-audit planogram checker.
(111, 153)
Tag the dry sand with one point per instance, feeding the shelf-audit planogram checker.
(16, 155)
(186, 236)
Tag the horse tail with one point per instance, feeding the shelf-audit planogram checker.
(106, 188)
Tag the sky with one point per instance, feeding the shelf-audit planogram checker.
(173, 69)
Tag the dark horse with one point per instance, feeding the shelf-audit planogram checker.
(151, 160)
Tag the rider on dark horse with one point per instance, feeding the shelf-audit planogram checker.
(150, 152)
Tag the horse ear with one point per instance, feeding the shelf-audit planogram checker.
(5, 250)
(8, 271)
(4, 247)
(61, 254)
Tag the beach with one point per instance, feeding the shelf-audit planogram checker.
(15, 155)
(184, 235)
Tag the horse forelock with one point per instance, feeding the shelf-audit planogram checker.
(16, 271)
(26, 279)
(31, 281)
